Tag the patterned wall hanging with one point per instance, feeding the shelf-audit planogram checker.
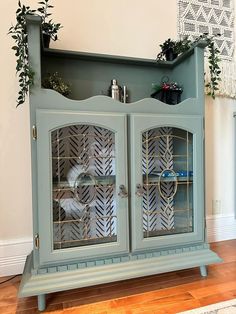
(213, 17)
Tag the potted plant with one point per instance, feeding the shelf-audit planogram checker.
(19, 34)
(55, 82)
(49, 31)
(180, 46)
(168, 50)
(49, 28)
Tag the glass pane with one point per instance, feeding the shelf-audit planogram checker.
(83, 196)
(167, 168)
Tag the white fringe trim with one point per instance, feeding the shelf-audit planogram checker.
(227, 85)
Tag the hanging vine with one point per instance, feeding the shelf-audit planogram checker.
(19, 33)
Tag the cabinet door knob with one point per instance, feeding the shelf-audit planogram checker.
(123, 192)
(139, 190)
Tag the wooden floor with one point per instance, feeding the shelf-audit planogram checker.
(165, 293)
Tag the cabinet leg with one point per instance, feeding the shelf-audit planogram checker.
(203, 271)
(41, 302)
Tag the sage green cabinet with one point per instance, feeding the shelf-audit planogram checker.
(117, 189)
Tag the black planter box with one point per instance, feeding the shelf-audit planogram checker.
(169, 96)
(170, 55)
(46, 40)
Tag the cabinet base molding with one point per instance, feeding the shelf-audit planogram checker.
(40, 284)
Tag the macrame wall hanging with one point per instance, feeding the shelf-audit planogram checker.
(213, 17)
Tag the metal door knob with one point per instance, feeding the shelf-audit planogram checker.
(123, 192)
(139, 190)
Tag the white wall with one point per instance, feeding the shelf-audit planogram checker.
(220, 157)
(220, 168)
(15, 199)
(132, 28)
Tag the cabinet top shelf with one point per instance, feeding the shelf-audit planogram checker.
(59, 53)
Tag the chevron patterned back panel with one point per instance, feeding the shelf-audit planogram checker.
(83, 172)
(167, 181)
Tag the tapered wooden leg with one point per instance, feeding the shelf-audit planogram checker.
(203, 271)
(41, 302)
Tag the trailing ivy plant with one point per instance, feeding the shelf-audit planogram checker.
(180, 46)
(19, 33)
(213, 60)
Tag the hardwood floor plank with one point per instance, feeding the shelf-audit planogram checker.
(167, 306)
(183, 306)
(217, 288)
(219, 297)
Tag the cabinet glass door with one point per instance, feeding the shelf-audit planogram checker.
(83, 198)
(83, 186)
(167, 174)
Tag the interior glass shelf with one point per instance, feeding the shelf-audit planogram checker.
(98, 180)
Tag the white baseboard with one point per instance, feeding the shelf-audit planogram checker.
(13, 252)
(221, 228)
(13, 255)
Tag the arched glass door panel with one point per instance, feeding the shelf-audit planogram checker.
(167, 172)
(84, 185)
